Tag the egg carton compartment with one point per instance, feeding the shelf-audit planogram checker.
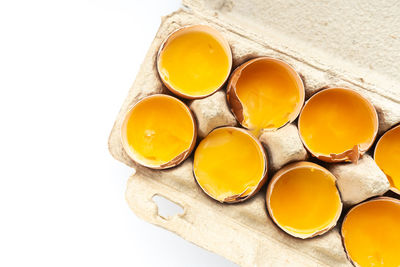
(244, 233)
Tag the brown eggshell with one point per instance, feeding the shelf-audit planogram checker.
(352, 155)
(278, 175)
(175, 161)
(341, 229)
(242, 197)
(204, 28)
(237, 106)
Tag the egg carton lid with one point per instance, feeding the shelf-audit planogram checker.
(354, 44)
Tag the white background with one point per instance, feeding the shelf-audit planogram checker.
(65, 68)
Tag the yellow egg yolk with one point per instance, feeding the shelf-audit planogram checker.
(304, 201)
(159, 128)
(336, 120)
(228, 162)
(387, 156)
(269, 94)
(194, 63)
(371, 233)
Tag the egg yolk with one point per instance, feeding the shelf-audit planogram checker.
(228, 162)
(269, 93)
(387, 156)
(335, 121)
(304, 201)
(158, 129)
(194, 63)
(371, 233)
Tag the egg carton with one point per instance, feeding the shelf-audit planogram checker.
(352, 44)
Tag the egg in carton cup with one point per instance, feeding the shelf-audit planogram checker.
(244, 232)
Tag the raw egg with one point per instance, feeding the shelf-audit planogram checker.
(387, 156)
(194, 61)
(338, 124)
(265, 93)
(159, 132)
(303, 200)
(371, 233)
(230, 164)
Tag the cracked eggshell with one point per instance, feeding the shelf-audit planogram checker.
(283, 146)
(234, 101)
(212, 112)
(175, 161)
(283, 171)
(203, 28)
(353, 154)
(244, 195)
(358, 182)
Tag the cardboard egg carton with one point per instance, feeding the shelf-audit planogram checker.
(354, 45)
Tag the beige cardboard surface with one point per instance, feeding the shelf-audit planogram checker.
(243, 232)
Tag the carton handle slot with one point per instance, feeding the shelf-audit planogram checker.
(166, 208)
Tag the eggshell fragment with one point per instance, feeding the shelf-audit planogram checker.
(212, 112)
(283, 146)
(358, 182)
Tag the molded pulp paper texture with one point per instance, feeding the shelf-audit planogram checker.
(244, 233)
